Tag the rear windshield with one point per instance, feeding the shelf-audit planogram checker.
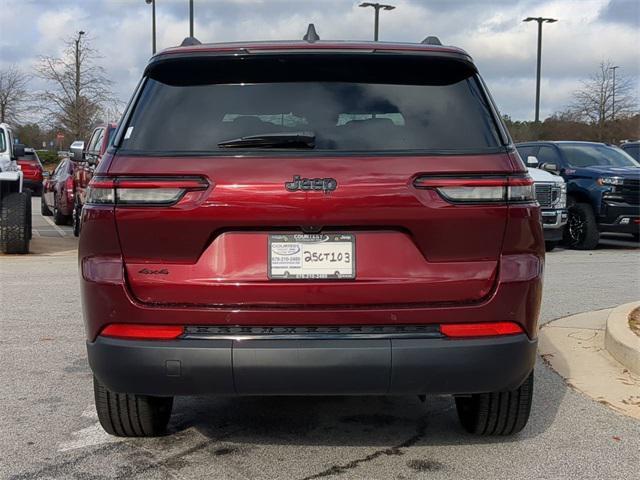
(428, 111)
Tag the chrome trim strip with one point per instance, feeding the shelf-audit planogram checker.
(311, 336)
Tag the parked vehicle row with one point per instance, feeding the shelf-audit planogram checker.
(603, 187)
(64, 189)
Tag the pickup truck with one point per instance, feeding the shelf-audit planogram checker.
(551, 193)
(603, 187)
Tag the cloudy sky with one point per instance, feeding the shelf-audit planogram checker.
(588, 32)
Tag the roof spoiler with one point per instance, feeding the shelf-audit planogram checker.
(431, 41)
(311, 36)
(190, 41)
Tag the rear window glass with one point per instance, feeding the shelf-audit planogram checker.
(445, 113)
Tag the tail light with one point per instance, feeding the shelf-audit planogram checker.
(142, 332)
(481, 189)
(141, 191)
(485, 329)
(68, 187)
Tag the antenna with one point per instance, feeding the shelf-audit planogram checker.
(311, 36)
(190, 41)
(431, 41)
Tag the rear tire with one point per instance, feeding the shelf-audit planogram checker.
(45, 211)
(15, 222)
(550, 246)
(581, 232)
(59, 218)
(496, 413)
(130, 415)
(77, 211)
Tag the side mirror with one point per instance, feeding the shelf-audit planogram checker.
(550, 167)
(532, 161)
(76, 154)
(18, 150)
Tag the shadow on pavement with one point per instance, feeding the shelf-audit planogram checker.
(388, 422)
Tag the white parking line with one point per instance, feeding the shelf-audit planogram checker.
(89, 436)
(55, 227)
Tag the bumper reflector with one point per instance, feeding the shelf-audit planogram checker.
(488, 329)
(142, 332)
(107, 270)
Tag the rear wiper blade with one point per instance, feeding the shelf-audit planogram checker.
(273, 140)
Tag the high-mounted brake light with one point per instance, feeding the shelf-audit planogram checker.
(142, 191)
(480, 189)
(486, 329)
(142, 332)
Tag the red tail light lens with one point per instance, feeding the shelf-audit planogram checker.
(487, 329)
(480, 189)
(142, 332)
(68, 185)
(142, 191)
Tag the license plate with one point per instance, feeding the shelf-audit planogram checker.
(306, 257)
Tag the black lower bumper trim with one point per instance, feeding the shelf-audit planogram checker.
(313, 367)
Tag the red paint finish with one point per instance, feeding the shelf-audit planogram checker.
(419, 258)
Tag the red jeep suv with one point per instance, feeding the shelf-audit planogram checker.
(311, 218)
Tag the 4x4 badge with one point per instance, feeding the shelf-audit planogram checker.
(325, 184)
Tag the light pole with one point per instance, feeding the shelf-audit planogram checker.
(153, 24)
(77, 83)
(377, 7)
(613, 106)
(191, 18)
(540, 21)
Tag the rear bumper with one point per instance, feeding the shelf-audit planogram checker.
(393, 366)
(35, 185)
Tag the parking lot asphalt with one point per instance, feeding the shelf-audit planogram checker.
(49, 430)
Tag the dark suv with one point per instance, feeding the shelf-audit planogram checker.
(603, 188)
(311, 218)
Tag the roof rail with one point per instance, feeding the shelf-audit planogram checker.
(190, 41)
(311, 36)
(431, 41)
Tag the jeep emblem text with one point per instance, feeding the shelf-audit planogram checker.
(325, 184)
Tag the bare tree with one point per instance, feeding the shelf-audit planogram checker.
(594, 102)
(79, 87)
(13, 94)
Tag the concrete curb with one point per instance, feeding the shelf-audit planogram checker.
(620, 341)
